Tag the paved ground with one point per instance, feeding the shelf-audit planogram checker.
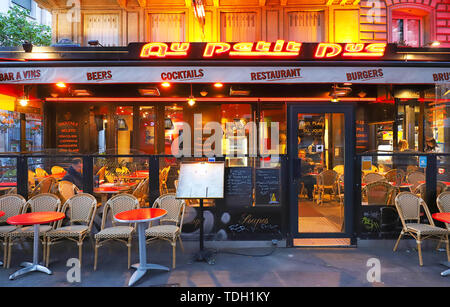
(262, 266)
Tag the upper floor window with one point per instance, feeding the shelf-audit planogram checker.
(411, 26)
(23, 3)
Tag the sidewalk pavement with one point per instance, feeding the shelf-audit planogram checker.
(239, 264)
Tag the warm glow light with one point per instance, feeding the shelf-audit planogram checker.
(218, 85)
(435, 44)
(61, 85)
(23, 102)
(165, 84)
(191, 101)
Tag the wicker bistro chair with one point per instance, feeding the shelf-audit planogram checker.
(57, 170)
(11, 204)
(82, 209)
(45, 186)
(395, 175)
(141, 192)
(170, 224)
(38, 203)
(379, 193)
(66, 190)
(372, 177)
(326, 180)
(421, 189)
(122, 233)
(163, 174)
(443, 204)
(415, 178)
(408, 208)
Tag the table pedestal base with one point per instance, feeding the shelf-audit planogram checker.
(32, 266)
(143, 266)
(446, 272)
(205, 256)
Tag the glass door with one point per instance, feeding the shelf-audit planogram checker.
(321, 147)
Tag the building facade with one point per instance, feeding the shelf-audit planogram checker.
(414, 23)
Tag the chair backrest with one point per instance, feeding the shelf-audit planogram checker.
(422, 189)
(443, 204)
(11, 204)
(57, 170)
(174, 207)
(327, 177)
(414, 178)
(45, 186)
(142, 188)
(164, 173)
(66, 190)
(40, 172)
(82, 208)
(119, 203)
(339, 169)
(43, 202)
(373, 177)
(378, 192)
(408, 207)
(395, 175)
(101, 173)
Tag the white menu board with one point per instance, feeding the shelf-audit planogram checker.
(201, 180)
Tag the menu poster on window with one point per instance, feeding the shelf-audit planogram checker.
(68, 133)
(238, 187)
(362, 136)
(267, 186)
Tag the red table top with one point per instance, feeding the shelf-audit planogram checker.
(442, 216)
(8, 184)
(2, 213)
(140, 215)
(35, 218)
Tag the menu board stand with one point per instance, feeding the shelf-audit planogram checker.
(201, 180)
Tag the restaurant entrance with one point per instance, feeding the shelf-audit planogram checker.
(321, 146)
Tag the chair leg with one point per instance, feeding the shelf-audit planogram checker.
(47, 256)
(398, 241)
(447, 248)
(95, 255)
(419, 249)
(129, 252)
(181, 244)
(80, 250)
(9, 252)
(5, 252)
(174, 248)
(439, 244)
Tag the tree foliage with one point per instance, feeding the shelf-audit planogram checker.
(16, 27)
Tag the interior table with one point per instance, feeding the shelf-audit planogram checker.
(141, 216)
(35, 219)
(443, 217)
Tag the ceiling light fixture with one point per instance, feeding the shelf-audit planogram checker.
(165, 84)
(218, 85)
(61, 85)
(191, 99)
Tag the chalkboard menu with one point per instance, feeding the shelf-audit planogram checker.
(238, 187)
(267, 186)
(68, 133)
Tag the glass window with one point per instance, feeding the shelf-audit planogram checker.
(147, 129)
(173, 118)
(9, 131)
(124, 129)
(34, 132)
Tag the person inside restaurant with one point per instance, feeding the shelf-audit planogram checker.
(74, 173)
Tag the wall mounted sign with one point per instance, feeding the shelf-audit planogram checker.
(233, 74)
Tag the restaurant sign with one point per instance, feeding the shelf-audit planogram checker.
(227, 74)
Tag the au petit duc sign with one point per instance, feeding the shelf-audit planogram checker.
(228, 296)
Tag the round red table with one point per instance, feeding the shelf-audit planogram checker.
(2, 213)
(35, 219)
(141, 216)
(443, 217)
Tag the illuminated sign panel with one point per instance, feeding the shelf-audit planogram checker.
(280, 49)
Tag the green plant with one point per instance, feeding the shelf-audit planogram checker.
(16, 28)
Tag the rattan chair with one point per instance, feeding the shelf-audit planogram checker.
(57, 170)
(372, 177)
(163, 174)
(443, 204)
(82, 209)
(379, 193)
(170, 224)
(40, 174)
(326, 180)
(141, 192)
(339, 169)
(31, 180)
(12, 205)
(408, 208)
(421, 189)
(38, 203)
(415, 178)
(66, 190)
(45, 186)
(395, 175)
(120, 232)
